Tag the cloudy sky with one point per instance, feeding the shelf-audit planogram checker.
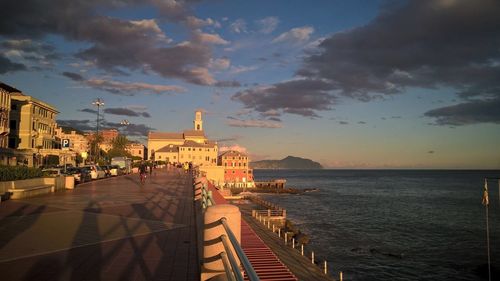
(351, 84)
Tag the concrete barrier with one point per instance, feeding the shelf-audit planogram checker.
(199, 182)
(32, 187)
(213, 230)
(69, 182)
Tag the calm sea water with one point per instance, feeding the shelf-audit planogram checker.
(396, 224)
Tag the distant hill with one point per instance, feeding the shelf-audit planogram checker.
(289, 162)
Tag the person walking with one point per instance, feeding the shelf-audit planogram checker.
(142, 172)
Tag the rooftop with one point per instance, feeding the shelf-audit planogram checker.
(169, 148)
(232, 153)
(165, 135)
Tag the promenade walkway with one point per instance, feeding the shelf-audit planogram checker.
(112, 229)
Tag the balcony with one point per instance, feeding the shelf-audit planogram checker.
(4, 130)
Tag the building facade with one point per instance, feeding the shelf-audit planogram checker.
(32, 123)
(137, 150)
(5, 91)
(188, 146)
(77, 142)
(107, 137)
(7, 156)
(236, 170)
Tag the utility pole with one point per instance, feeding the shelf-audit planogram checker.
(98, 102)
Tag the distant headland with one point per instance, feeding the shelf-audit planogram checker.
(289, 162)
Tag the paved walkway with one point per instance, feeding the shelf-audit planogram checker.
(299, 265)
(112, 229)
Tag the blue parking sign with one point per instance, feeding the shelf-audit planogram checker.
(65, 143)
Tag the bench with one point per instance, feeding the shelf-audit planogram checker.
(28, 192)
(29, 188)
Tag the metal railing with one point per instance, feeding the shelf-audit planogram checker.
(206, 197)
(230, 263)
(252, 275)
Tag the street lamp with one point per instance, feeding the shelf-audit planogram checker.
(98, 102)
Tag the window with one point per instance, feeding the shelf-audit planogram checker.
(12, 142)
(189, 149)
(239, 164)
(13, 124)
(13, 106)
(233, 171)
(200, 149)
(140, 152)
(225, 164)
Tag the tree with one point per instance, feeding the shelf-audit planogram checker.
(94, 146)
(119, 147)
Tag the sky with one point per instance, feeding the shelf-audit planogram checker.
(350, 84)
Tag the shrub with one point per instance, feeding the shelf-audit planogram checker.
(11, 173)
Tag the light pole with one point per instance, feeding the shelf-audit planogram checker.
(98, 102)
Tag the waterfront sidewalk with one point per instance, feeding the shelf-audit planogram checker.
(112, 229)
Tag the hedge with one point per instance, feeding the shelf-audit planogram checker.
(12, 173)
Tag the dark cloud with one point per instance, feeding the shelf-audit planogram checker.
(430, 151)
(302, 97)
(114, 44)
(343, 122)
(254, 123)
(126, 112)
(8, 66)
(469, 112)
(124, 88)
(81, 125)
(132, 130)
(274, 119)
(73, 76)
(418, 44)
(121, 111)
(228, 84)
(89, 110)
(362, 122)
(232, 139)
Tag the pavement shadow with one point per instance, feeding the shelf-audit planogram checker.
(28, 219)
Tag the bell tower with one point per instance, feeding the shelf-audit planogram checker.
(198, 122)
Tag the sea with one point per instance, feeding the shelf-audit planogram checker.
(396, 224)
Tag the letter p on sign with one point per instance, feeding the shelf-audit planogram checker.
(65, 143)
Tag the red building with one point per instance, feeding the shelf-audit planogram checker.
(236, 170)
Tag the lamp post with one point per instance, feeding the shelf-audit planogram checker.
(98, 102)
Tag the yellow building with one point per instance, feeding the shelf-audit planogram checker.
(7, 156)
(136, 149)
(77, 142)
(5, 91)
(32, 127)
(188, 146)
(32, 123)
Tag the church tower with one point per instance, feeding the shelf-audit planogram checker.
(198, 122)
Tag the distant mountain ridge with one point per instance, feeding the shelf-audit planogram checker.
(289, 162)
